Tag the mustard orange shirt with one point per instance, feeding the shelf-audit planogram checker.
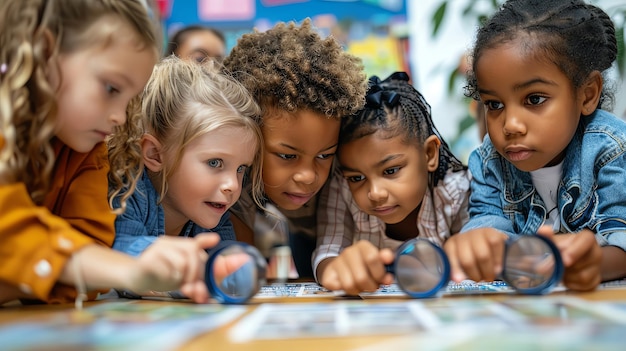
(36, 241)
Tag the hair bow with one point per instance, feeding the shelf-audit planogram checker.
(377, 95)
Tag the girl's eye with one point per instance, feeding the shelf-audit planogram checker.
(391, 170)
(493, 105)
(286, 156)
(110, 89)
(325, 156)
(355, 179)
(242, 169)
(535, 100)
(215, 163)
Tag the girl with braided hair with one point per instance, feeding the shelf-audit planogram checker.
(397, 180)
(554, 161)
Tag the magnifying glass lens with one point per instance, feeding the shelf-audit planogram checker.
(531, 265)
(237, 272)
(421, 268)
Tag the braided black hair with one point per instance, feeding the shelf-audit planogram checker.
(578, 37)
(397, 108)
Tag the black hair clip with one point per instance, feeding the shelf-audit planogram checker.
(377, 95)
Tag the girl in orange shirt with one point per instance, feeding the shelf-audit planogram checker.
(70, 72)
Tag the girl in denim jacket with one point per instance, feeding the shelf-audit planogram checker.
(554, 162)
(200, 138)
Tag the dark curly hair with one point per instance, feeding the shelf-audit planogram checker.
(291, 68)
(578, 37)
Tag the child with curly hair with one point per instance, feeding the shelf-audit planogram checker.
(554, 161)
(304, 85)
(70, 73)
(397, 180)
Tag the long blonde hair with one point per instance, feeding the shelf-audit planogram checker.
(184, 100)
(31, 33)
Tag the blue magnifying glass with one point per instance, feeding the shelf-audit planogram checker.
(532, 265)
(235, 272)
(421, 268)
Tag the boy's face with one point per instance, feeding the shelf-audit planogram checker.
(388, 177)
(532, 112)
(299, 152)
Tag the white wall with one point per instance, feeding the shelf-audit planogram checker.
(432, 59)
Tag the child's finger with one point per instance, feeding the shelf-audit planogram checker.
(330, 279)
(456, 272)
(386, 256)
(497, 242)
(484, 258)
(578, 245)
(345, 278)
(196, 291)
(546, 231)
(207, 240)
(365, 267)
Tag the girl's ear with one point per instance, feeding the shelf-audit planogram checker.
(151, 153)
(590, 93)
(431, 148)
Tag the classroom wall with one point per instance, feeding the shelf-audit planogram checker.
(375, 30)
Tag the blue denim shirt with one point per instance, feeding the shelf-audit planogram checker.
(591, 193)
(144, 221)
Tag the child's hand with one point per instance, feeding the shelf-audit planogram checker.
(476, 254)
(359, 268)
(225, 266)
(581, 256)
(175, 263)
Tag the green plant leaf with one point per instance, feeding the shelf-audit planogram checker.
(452, 81)
(469, 8)
(438, 17)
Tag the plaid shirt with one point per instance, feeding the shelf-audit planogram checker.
(341, 223)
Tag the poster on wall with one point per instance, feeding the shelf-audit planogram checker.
(226, 10)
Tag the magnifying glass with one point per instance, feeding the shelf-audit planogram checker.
(421, 268)
(235, 272)
(532, 265)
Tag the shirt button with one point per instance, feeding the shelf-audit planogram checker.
(43, 268)
(25, 288)
(65, 244)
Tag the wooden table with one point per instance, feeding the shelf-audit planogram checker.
(218, 339)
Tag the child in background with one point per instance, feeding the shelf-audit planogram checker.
(197, 43)
(398, 180)
(200, 137)
(554, 161)
(304, 85)
(69, 72)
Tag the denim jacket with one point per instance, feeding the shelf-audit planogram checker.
(144, 221)
(591, 193)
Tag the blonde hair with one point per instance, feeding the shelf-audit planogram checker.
(31, 33)
(184, 100)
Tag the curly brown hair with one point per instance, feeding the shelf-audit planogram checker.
(291, 68)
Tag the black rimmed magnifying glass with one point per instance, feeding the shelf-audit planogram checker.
(235, 272)
(532, 265)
